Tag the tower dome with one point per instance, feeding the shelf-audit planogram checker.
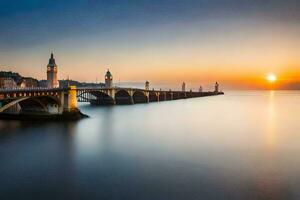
(51, 60)
(108, 79)
(108, 74)
(147, 85)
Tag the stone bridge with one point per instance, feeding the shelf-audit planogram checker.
(110, 96)
(38, 100)
(59, 100)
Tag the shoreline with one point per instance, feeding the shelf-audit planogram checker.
(73, 115)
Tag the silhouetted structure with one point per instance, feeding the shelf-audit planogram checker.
(147, 85)
(200, 89)
(183, 87)
(216, 87)
(108, 79)
(52, 81)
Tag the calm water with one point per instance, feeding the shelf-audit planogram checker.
(243, 145)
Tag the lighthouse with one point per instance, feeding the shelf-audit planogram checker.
(147, 85)
(183, 87)
(216, 87)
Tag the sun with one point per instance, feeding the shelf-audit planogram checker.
(271, 78)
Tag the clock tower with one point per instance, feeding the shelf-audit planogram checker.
(52, 81)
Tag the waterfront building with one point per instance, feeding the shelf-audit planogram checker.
(108, 79)
(28, 82)
(216, 87)
(52, 81)
(7, 82)
(147, 85)
(183, 87)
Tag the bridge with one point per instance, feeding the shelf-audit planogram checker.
(117, 95)
(38, 100)
(60, 100)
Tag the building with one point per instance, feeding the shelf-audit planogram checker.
(7, 82)
(9, 74)
(42, 83)
(147, 85)
(13, 80)
(28, 82)
(52, 81)
(183, 87)
(108, 80)
(68, 82)
(216, 87)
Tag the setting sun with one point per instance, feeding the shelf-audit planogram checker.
(271, 78)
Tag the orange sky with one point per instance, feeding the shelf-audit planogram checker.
(238, 54)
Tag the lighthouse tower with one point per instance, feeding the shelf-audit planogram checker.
(147, 85)
(108, 79)
(200, 89)
(183, 87)
(52, 81)
(216, 87)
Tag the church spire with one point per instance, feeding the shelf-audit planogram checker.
(52, 60)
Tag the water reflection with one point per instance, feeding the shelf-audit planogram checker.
(243, 145)
(271, 138)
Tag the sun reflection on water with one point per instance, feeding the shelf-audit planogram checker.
(271, 138)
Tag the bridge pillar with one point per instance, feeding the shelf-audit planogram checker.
(111, 93)
(69, 99)
(147, 95)
(130, 92)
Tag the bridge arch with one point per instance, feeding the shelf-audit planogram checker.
(181, 95)
(162, 96)
(84, 96)
(139, 97)
(38, 104)
(123, 97)
(175, 95)
(101, 98)
(168, 96)
(153, 97)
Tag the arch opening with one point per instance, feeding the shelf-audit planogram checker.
(153, 97)
(101, 98)
(168, 96)
(175, 95)
(189, 95)
(123, 97)
(36, 105)
(181, 95)
(139, 97)
(162, 96)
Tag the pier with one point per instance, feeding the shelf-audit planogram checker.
(63, 101)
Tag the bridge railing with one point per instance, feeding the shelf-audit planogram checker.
(41, 89)
(132, 88)
(29, 89)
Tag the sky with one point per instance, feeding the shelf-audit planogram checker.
(235, 42)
